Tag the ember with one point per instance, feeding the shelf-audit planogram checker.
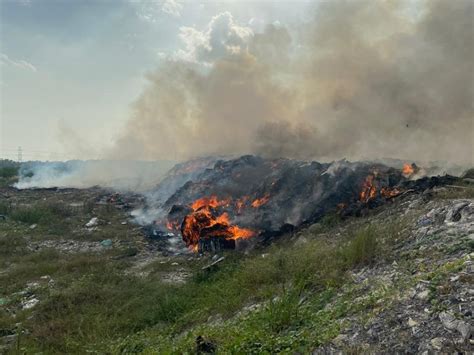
(240, 203)
(408, 169)
(172, 225)
(369, 190)
(212, 201)
(388, 192)
(260, 201)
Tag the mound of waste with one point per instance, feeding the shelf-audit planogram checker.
(214, 205)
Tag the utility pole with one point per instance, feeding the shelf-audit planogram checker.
(20, 154)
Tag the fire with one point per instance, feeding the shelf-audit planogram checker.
(369, 190)
(388, 192)
(241, 233)
(260, 201)
(212, 201)
(240, 203)
(172, 225)
(206, 221)
(408, 170)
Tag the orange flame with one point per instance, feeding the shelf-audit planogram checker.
(204, 217)
(212, 201)
(388, 192)
(240, 203)
(369, 190)
(408, 170)
(260, 201)
(172, 225)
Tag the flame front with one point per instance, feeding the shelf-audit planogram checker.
(240, 203)
(388, 192)
(212, 201)
(369, 190)
(260, 201)
(206, 221)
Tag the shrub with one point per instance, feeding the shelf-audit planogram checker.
(30, 215)
(281, 313)
(8, 172)
(5, 207)
(330, 220)
(362, 249)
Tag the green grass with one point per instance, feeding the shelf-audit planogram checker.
(300, 291)
(363, 249)
(50, 214)
(460, 190)
(5, 207)
(95, 305)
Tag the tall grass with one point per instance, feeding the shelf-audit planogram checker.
(44, 213)
(362, 249)
(5, 207)
(103, 304)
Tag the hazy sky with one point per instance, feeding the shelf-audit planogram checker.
(71, 69)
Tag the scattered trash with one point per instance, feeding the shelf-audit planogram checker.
(4, 301)
(424, 221)
(92, 223)
(29, 303)
(32, 285)
(33, 226)
(213, 264)
(204, 346)
(412, 323)
(106, 243)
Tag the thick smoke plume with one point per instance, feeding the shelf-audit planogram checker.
(365, 79)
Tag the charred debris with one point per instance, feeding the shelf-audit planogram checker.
(238, 203)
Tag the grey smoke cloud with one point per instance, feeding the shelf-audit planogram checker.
(362, 80)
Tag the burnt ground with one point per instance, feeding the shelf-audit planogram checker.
(71, 288)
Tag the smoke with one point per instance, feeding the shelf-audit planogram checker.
(364, 79)
(119, 175)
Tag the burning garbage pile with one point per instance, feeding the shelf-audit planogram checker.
(208, 222)
(251, 199)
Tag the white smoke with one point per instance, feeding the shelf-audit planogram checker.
(118, 175)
